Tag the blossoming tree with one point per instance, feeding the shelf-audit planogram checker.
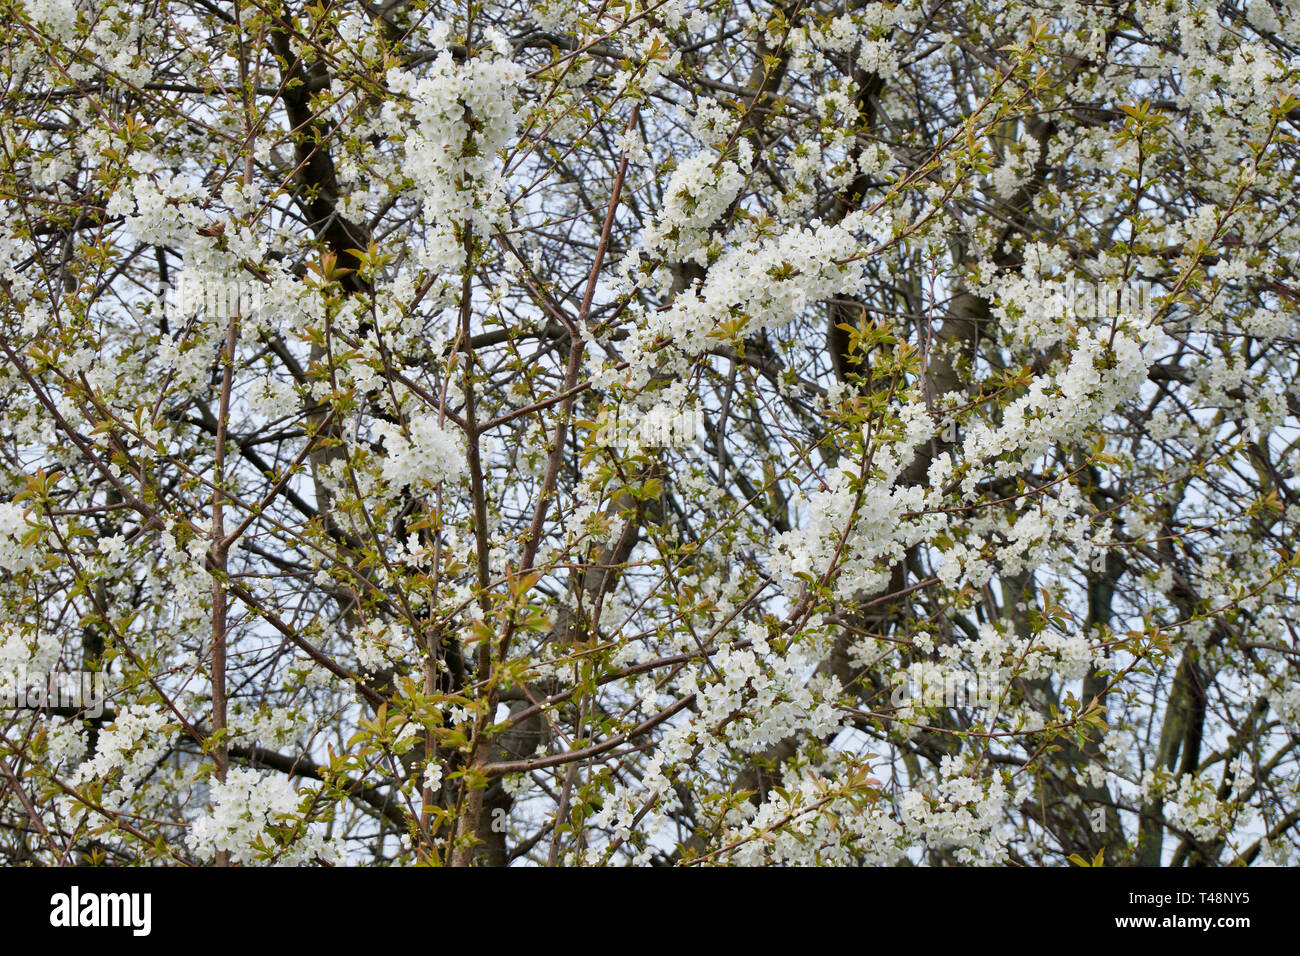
(640, 431)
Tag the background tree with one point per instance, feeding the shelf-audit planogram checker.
(650, 433)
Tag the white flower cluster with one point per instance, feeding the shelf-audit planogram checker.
(66, 742)
(553, 15)
(243, 810)
(1254, 73)
(1098, 378)
(764, 284)
(711, 122)
(880, 529)
(1016, 167)
(182, 573)
(879, 57)
(157, 203)
(378, 644)
(59, 17)
(1055, 530)
(459, 117)
(1064, 656)
(273, 726)
(787, 830)
(697, 194)
(1194, 805)
(1268, 324)
(14, 555)
(771, 695)
(422, 457)
(960, 811)
(130, 747)
(23, 655)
